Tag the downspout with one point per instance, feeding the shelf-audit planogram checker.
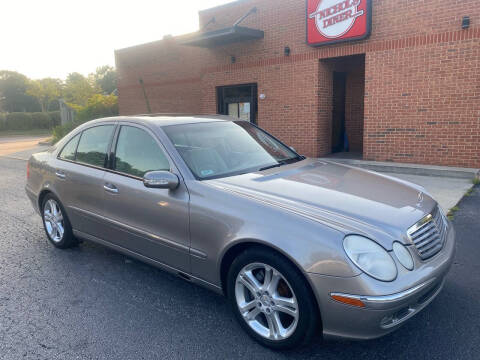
(140, 80)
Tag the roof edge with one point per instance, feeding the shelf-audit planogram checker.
(233, 2)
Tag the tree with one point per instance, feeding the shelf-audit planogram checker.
(46, 91)
(105, 78)
(78, 89)
(13, 93)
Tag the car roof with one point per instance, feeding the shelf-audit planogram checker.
(169, 119)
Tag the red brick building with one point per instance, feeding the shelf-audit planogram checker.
(408, 91)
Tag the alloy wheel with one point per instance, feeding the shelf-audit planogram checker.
(53, 219)
(266, 301)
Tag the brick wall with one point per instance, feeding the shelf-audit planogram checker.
(422, 79)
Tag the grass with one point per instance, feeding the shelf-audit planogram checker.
(452, 212)
(37, 132)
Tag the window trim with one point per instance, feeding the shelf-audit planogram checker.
(113, 150)
(79, 134)
(109, 146)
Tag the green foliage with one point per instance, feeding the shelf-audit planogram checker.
(476, 181)
(13, 93)
(3, 119)
(98, 106)
(19, 121)
(61, 130)
(20, 94)
(55, 116)
(46, 91)
(106, 79)
(78, 89)
(29, 121)
(452, 212)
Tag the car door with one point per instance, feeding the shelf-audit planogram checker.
(151, 222)
(79, 173)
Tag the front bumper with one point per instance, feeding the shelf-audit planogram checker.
(387, 304)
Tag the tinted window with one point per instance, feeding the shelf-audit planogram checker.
(93, 145)
(68, 152)
(138, 153)
(218, 149)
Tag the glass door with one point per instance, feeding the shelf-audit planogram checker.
(239, 101)
(240, 110)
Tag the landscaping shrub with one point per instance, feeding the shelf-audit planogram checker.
(98, 106)
(55, 117)
(19, 121)
(40, 120)
(29, 121)
(3, 118)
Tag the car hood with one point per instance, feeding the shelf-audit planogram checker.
(346, 198)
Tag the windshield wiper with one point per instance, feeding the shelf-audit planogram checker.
(271, 166)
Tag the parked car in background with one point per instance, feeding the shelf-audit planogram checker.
(297, 245)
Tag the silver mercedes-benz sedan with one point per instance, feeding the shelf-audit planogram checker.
(297, 245)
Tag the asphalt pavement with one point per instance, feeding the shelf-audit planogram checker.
(92, 303)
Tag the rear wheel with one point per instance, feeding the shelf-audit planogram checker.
(56, 223)
(271, 299)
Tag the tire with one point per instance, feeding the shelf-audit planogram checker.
(270, 321)
(56, 223)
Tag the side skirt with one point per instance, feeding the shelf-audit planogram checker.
(150, 261)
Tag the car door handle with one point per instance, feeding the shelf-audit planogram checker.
(110, 188)
(60, 174)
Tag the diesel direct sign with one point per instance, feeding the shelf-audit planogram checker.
(332, 21)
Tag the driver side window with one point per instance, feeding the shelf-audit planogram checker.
(137, 153)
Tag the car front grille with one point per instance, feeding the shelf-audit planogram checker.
(428, 235)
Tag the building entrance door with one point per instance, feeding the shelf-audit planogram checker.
(343, 78)
(239, 101)
(338, 112)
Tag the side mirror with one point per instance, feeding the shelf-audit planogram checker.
(161, 180)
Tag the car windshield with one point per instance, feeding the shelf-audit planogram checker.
(220, 149)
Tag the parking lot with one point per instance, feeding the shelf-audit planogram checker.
(92, 303)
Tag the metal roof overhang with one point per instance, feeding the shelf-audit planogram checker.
(221, 37)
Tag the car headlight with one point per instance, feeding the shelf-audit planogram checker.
(370, 257)
(403, 255)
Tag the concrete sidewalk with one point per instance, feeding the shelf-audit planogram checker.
(10, 145)
(446, 184)
(447, 191)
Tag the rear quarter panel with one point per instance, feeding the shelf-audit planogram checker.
(40, 176)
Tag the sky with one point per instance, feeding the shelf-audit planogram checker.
(52, 38)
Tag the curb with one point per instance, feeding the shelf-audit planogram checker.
(412, 169)
(46, 142)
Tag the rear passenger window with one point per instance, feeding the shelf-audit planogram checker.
(138, 153)
(68, 151)
(93, 145)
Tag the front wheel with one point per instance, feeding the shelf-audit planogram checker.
(271, 299)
